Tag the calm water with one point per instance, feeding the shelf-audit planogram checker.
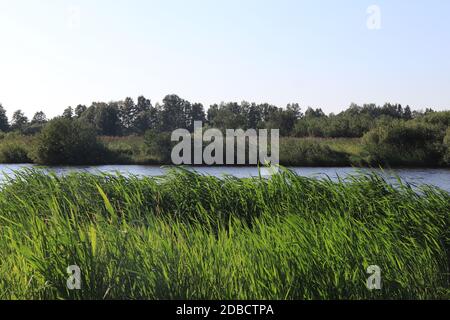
(436, 177)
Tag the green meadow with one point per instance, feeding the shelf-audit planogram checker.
(188, 236)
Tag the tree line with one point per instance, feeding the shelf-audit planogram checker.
(129, 117)
(389, 135)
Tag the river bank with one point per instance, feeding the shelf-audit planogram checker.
(294, 152)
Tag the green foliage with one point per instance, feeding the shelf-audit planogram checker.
(15, 148)
(127, 119)
(104, 118)
(282, 120)
(440, 119)
(404, 143)
(351, 123)
(129, 150)
(68, 113)
(39, 118)
(302, 152)
(127, 111)
(227, 116)
(177, 113)
(19, 121)
(79, 110)
(187, 236)
(65, 141)
(14, 152)
(145, 116)
(33, 129)
(159, 145)
(447, 147)
(4, 125)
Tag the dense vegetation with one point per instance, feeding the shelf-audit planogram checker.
(69, 142)
(288, 237)
(406, 143)
(386, 135)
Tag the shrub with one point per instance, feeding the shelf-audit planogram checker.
(408, 144)
(159, 145)
(33, 129)
(447, 147)
(65, 141)
(302, 152)
(14, 152)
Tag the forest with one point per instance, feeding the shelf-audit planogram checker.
(138, 132)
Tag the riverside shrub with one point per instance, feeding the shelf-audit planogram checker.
(404, 143)
(68, 142)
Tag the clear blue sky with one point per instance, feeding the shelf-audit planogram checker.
(56, 53)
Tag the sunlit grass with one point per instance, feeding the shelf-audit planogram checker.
(188, 236)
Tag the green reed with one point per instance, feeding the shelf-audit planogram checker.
(189, 236)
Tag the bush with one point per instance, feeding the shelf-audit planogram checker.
(447, 147)
(159, 145)
(405, 144)
(33, 129)
(68, 142)
(299, 152)
(14, 152)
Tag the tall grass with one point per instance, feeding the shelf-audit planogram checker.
(128, 150)
(188, 236)
(311, 152)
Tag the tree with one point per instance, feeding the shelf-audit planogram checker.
(295, 110)
(36, 124)
(267, 110)
(103, 117)
(145, 116)
(227, 116)
(407, 114)
(107, 119)
(68, 142)
(441, 119)
(39, 118)
(4, 125)
(282, 120)
(173, 113)
(79, 110)
(317, 113)
(19, 121)
(197, 114)
(127, 114)
(254, 116)
(68, 113)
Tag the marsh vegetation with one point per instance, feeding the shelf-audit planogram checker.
(188, 236)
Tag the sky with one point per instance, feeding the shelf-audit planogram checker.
(319, 53)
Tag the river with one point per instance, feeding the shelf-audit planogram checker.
(437, 177)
